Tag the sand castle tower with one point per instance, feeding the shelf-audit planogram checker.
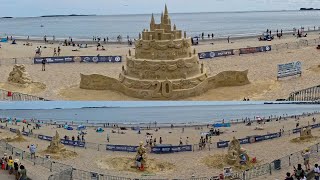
(164, 64)
(55, 145)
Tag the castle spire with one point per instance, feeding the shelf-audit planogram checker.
(152, 19)
(166, 10)
(162, 18)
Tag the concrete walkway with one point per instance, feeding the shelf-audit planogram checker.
(6, 176)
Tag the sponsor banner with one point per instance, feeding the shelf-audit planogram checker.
(97, 59)
(244, 141)
(296, 130)
(315, 126)
(2, 127)
(62, 59)
(267, 137)
(213, 54)
(25, 133)
(43, 137)
(254, 49)
(222, 144)
(289, 69)
(73, 143)
(171, 149)
(13, 130)
(125, 148)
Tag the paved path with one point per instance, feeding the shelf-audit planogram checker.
(5, 175)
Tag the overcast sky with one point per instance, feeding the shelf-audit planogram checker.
(27, 8)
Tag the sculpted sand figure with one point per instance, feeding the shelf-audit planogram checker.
(141, 156)
(306, 132)
(55, 145)
(235, 152)
(19, 75)
(164, 66)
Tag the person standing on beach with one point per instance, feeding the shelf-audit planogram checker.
(54, 52)
(160, 140)
(228, 39)
(187, 141)
(316, 171)
(43, 65)
(108, 138)
(59, 50)
(306, 156)
(33, 149)
(53, 38)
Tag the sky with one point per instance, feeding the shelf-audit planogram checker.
(31, 8)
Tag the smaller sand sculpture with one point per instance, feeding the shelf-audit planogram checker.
(305, 136)
(19, 75)
(236, 154)
(55, 145)
(57, 150)
(141, 157)
(18, 138)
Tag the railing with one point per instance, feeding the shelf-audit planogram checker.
(15, 96)
(309, 94)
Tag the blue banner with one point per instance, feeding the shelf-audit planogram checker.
(222, 144)
(297, 130)
(13, 130)
(73, 143)
(213, 54)
(125, 148)
(254, 49)
(315, 126)
(221, 125)
(97, 59)
(170, 149)
(244, 141)
(47, 138)
(62, 59)
(25, 133)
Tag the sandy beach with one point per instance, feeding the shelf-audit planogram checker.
(62, 80)
(186, 163)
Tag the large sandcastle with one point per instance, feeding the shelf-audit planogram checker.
(164, 66)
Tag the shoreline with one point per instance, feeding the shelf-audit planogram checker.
(155, 124)
(87, 40)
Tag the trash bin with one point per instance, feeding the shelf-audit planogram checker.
(277, 164)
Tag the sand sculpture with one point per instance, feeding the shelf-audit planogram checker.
(56, 150)
(141, 157)
(55, 145)
(164, 66)
(305, 136)
(236, 153)
(18, 138)
(19, 75)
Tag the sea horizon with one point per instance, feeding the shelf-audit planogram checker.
(130, 14)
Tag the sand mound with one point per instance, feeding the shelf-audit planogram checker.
(63, 154)
(315, 68)
(229, 78)
(34, 87)
(16, 139)
(304, 139)
(98, 82)
(128, 164)
(219, 161)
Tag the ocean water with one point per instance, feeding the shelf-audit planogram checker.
(205, 113)
(221, 24)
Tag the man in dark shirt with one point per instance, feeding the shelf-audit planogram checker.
(289, 176)
(43, 65)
